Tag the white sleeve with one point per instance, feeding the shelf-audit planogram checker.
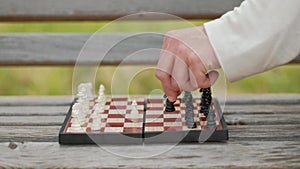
(255, 37)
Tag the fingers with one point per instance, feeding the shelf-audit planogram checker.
(197, 73)
(164, 71)
(180, 67)
(167, 83)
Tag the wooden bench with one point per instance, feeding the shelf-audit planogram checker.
(263, 129)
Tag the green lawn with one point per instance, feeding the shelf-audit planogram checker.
(58, 80)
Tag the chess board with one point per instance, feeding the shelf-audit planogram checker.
(148, 124)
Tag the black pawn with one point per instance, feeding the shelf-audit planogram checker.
(206, 100)
(170, 106)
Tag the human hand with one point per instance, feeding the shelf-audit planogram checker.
(185, 59)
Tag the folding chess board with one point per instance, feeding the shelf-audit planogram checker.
(149, 123)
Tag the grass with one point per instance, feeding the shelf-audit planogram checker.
(58, 80)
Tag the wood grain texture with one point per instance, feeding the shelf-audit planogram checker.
(264, 134)
(285, 132)
(81, 48)
(65, 10)
(16, 101)
(67, 49)
(253, 154)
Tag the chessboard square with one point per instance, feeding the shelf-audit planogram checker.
(173, 128)
(203, 118)
(118, 107)
(154, 123)
(154, 120)
(114, 124)
(156, 112)
(182, 105)
(138, 107)
(154, 116)
(154, 129)
(119, 99)
(196, 119)
(106, 107)
(134, 120)
(151, 101)
(113, 129)
(133, 116)
(203, 123)
(102, 116)
(150, 105)
(119, 103)
(174, 112)
(173, 119)
(71, 130)
(115, 120)
(155, 109)
(172, 115)
(120, 116)
(173, 124)
(132, 130)
(134, 112)
(117, 111)
(132, 124)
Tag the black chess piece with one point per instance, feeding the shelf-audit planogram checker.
(206, 99)
(170, 106)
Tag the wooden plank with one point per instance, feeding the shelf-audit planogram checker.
(33, 111)
(260, 119)
(29, 133)
(231, 155)
(261, 99)
(65, 10)
(261, 109)
(64, 48)
(31, 120)
(16, 101)
(287, 132)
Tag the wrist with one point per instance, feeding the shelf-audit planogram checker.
(210, 59)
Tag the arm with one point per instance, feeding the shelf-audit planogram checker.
(257, 36)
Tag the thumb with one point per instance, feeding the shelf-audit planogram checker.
(211, 78)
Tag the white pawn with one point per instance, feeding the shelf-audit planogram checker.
(98, 108)
(134, 107)
(75, 125)
(101, 88)
(101, 97)
(96, 124)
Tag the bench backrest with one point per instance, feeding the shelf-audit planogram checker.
(63, 48)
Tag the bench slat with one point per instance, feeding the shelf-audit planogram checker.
(64, 48)
(231, 155)
(65, 10)
(236, 133)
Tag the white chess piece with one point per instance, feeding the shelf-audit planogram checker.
(75, 125)
(101, 88)
(87, 89)
(96, 124)
(134, 107)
